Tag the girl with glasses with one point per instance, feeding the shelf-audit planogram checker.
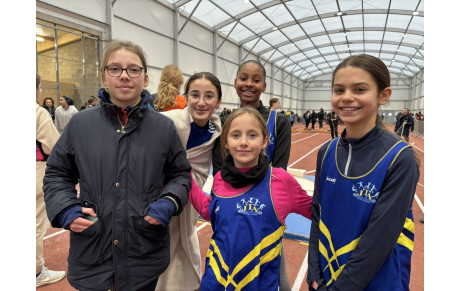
(131, 181)
(198, 129)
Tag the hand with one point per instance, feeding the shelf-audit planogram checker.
(315, 285)
(151, 220)
(79, 224)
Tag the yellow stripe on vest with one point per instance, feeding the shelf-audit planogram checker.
(266, 242)
(272, 254)
(335, 254)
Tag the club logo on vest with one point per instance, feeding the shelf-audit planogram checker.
(331, 179)
(270, 139)
(250, 206)
(366, 192)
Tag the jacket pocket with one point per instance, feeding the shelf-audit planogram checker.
(85, 247)
(149, 240)
(94, 230)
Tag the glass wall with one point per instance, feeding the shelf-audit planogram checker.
(68, 62)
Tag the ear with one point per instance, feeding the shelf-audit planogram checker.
(264, 87)
(234, 84)
(385, 96)
(265, 144)
(146, 81)
(218, 103)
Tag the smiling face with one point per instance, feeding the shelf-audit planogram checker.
(48, 103)
(355, 98)
(124, 90)
(245, 140)
(202, 100)
(250, 83)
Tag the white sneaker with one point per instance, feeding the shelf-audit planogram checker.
(49, 276)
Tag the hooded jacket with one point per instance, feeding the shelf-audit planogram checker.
(122, 170)
(62, 117)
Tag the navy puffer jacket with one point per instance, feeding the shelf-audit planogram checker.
(121, 170)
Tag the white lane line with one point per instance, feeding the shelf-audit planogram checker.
(301, 274)
(418, 149)
(64, 230)
(201, 226)
(54, 234)
(304, 138)
(307, 154)
(420, 185)
(419, 203)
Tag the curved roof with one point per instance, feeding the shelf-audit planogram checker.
(309, 38)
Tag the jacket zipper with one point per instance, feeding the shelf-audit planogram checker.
(348, 160)
(121, 124)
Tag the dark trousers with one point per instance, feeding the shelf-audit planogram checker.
(307, 122)
(334, 132)
(320, 122)
(313, 124)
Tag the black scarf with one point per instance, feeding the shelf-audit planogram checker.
(238, 179)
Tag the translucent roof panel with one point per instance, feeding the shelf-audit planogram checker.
(311, 37)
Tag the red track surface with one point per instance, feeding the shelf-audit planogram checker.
(305, 145)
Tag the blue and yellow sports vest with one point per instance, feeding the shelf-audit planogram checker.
(346, 206)
(271, 124)
(244, 253)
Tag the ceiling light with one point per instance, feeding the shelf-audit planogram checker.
(339, 14)
(275, 28)
(39, 38)
(345, 34)
(405, 35)
(415, 13)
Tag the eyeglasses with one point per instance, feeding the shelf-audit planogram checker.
(116, 71)
(208, 97)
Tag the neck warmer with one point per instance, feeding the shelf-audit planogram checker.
(238, 179)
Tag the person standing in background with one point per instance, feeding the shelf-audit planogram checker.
(46, 137)
(307, 117)
(321, 118)
(314, 116)
(168, 97)
(48, 104)
(275, 104)
(333, 121)
(64, 113)
(404, 124)
(91, 102)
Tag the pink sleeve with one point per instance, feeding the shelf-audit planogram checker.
(288, 195)
(200, 200)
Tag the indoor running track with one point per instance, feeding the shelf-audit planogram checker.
(305, 145)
